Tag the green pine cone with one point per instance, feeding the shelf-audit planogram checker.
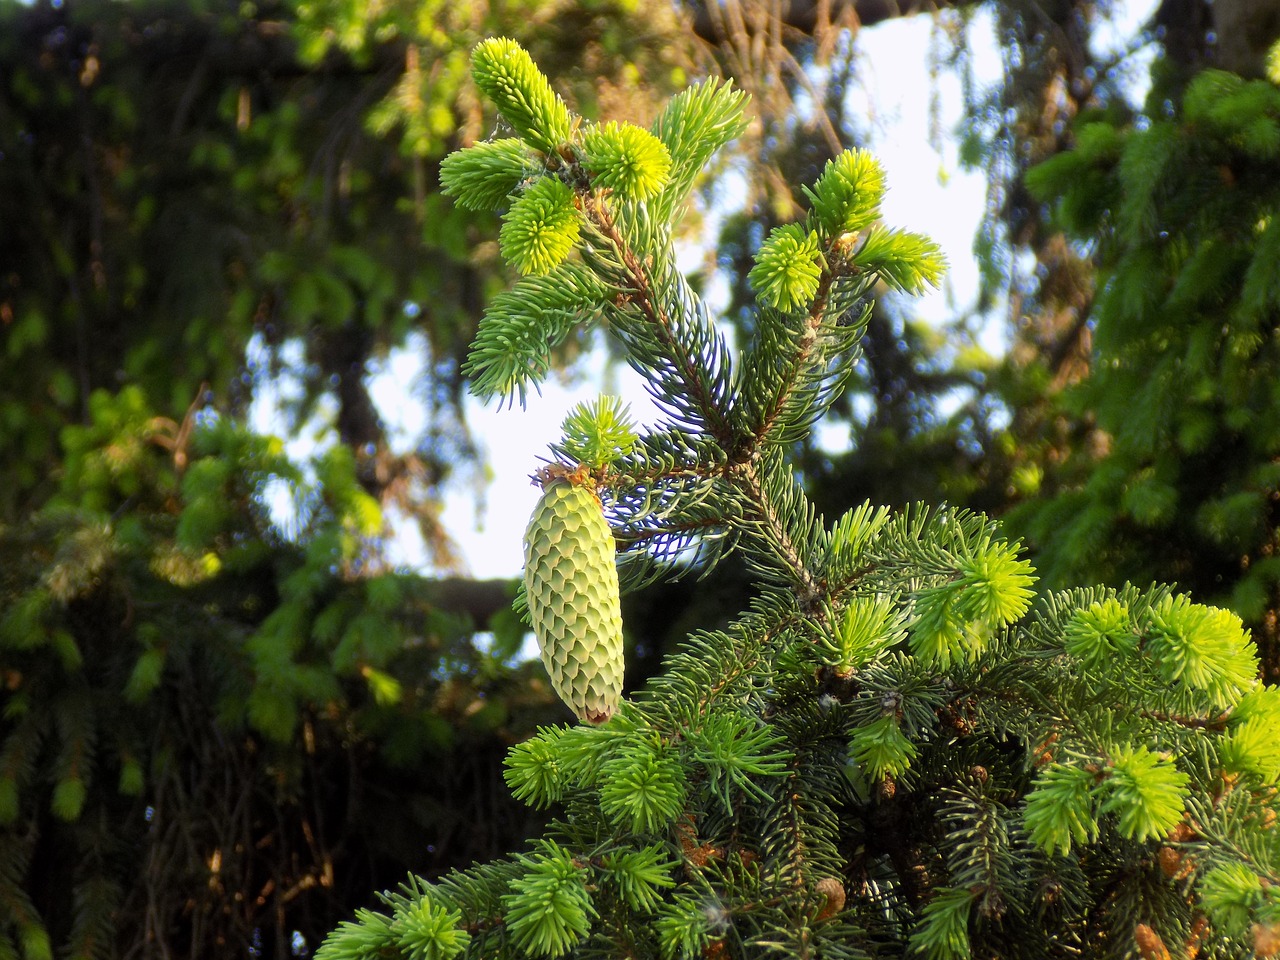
(571, 579)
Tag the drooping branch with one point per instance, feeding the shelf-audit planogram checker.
(478, 600)
(716, 23)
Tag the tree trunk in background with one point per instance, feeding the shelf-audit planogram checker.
(1245, 30)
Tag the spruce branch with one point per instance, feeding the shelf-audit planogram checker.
(695, 388)
(798, 367)
(1218, 723)
(712, 666)
(673, 536)
(772, 530)
(521, 328)
(979, 838)
(888, 752)
(671, 511)
(694, 125)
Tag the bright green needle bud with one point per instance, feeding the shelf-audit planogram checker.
(788, 266)
(549, 910)
(995, 586)
(541, 228)
(1204, 647)
(509, 77)
(870, 626)
(1262, 704)
(909, 262)
(682, 929)
(847, 196)
(1059, 809)
(642, 789)
(881, 749)
(599, 432)
(1251, 745)
(640, 876)
(481, 177)
(369, 935)
(943, 932)
(1100, 633)
(1253, 748)
(625, 158)
(937, 636)
(429, 931)
(1145, 791)
(533, 770)
(1229, 895)
(581, 752)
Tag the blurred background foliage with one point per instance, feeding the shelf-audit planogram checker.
(225, 715)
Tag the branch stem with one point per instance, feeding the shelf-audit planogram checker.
(639, 289)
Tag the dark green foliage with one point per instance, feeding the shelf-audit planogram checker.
(183, 687)
(891, 751)
(1175, 474)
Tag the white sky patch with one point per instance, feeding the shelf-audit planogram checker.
(928, 192)
(1115, 33)
(391, 380)
(516, 442)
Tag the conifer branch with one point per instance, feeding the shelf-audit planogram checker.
(795, 821)
(639, 290)
(656, 477)
(634, 538)
(791, 376)
(776, 534)
(885, 712)
(1218, 723)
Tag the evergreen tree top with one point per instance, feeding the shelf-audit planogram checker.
(895, 750)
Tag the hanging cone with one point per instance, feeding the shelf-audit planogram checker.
(571, 580)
